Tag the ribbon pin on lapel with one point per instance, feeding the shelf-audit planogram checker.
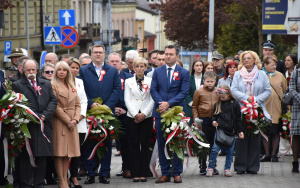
(122, 82)
(175, 75)
(145, 86)
(39, 89)
(102, 73)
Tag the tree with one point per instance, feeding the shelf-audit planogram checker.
(5, 4)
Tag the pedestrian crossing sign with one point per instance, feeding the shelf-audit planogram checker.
(52, 35)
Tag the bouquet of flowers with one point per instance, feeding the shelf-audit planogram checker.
(103, 127)
(152, 139)
(286, 120)
(15, 116)
(253, 118)
(194, 148)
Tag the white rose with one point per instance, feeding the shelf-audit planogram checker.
(12, 136)
(92, 131)
(111, 128)
(12, 143)
(284, 128)
(174, 124)
(16, 116)
(20, 120)
(17, 125)
(200, 147)
(172, 128)
(180, 135)
(167, 130)
(5, 117)
(186, 128)
(26, 121)
(150, 149)
(98, 131)
(256, 132)
(19, 131)
(254, 121)
(12, 120)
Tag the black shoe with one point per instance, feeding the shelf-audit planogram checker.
(143, 179)
(90, 180)
(274, 158)
(295, 167)
(251, 172)
(240, 172)
(3, 182)
(71, 182)
(51, 181)
(203, 171)
(136, 179)
(103, 179)
(120, 173)
(265, 159)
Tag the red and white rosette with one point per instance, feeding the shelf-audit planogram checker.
(145, 86)
(250, 108)
(176, 75)
(93, 123)
(39, 89)
(122, 83)
(102, 73)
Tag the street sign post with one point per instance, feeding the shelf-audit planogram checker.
(42, 59)
(66, 17)
(52, 35)
(69, 37)
(7, 50)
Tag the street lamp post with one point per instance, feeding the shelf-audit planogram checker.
(211, 29)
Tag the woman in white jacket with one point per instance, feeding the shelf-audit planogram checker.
(81, 126)
(139, 115)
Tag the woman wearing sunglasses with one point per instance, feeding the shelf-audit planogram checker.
(47, 71)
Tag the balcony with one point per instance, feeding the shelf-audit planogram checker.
(90, 32)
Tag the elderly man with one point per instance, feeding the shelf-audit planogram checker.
(114, 59)
(20, 63)
(51, 58)
(43, 104)
(268, 50)
(129, 57)
(85, 60)
(109, 89)
(14, 56)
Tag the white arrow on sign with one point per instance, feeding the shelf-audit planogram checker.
(67, 17)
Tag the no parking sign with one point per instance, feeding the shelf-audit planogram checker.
(69, 37)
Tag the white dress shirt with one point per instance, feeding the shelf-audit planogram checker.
(172, 71)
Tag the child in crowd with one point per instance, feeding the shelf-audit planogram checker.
(227, 116)
(202, 108)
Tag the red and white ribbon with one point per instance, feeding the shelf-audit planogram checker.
(168, 140)
(291, 140)
(5, 147)
(102, 73)
(92, 122)
(145, 86)
(31, 158)
(39, 89)
(95, 148)
(176, 75)
(154, 159)
(250, 108)
(122, 83)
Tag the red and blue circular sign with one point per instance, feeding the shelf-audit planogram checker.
(69, 37)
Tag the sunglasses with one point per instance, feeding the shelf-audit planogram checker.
(48, 72)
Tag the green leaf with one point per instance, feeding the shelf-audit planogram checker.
(163, 120)
(179, 153)
(25, 130)
(168, 122)
(173, 120)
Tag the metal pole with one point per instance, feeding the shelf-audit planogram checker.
(159, 29)
(27, 29)
(68, 51)
(211, 29)
(181, 53)
(53, 50)
(298, 47)
(109, 34)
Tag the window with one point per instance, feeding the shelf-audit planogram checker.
(127, 28)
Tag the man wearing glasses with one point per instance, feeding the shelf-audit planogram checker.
(100, 80)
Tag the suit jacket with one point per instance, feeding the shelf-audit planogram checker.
(109, 89)
(123, 76)
(44, 104)
(81, 126)
(176, 93)
(18, 76)
(136, 100)
(2, 80)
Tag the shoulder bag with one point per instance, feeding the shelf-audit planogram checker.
(287, 98)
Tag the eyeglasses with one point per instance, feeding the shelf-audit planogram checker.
(48, 72)
(248, 58)
(99, 53)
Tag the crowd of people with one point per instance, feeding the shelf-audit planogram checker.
(138, 91)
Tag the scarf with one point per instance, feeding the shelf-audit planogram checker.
(248, 77)
(269, 73)
(139, 82)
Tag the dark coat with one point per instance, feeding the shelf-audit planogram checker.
(2, 80)
(44, 104)
(18, 76)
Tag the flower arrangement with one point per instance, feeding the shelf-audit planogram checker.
(103, 127)
(285, 126)
(193, 146)
(15, 116)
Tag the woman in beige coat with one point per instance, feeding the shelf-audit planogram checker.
(273, 106)
(65, 133)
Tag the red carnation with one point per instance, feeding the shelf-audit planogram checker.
(180, 146)
(101, 144)
(285, 132)
(262, 115)
(154, 131)
(102, 136)
(99, 139)
(191, 141)
(180, 138)
(249, 127)
(13, 155)
(10, 115)
(10, 146)
(184, 131)
(172, 142)
(112, 132)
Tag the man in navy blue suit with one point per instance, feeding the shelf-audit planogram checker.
(100, 80)
(114, 60)
(166, 91)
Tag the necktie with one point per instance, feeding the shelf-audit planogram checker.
(33, 85)
(139, 82)
(169, 77)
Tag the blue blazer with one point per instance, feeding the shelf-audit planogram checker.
(176, 93)
(109, 89)
(121, 102)
(2, 90)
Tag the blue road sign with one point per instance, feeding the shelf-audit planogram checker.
(52, 35)
(66, 17)
(7, 47)
(69, 37)
(42, 60)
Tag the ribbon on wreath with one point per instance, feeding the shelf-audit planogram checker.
(97, 145)
(154, 159)
(102, 73)
(168, 140)
(291, 140)
(5, 146)
(122, 83)
(250, 108)
(28, 148)
(92, 122)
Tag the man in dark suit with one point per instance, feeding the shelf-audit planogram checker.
(3, 180)
(166, 91)
(114, 59)
(152, 61)
(100, 80)
(129, 57)
(43, 103)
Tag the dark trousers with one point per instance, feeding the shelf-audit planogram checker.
(247, 153)
(139, 146)
(75, 161)
(2, 162)
(29, 175)
(124, 141)
(209, 130)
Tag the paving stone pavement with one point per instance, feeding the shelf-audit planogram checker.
(271, 175)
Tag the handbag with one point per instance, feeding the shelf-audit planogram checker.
(223, 138)
(287, 98)
(283, 105)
